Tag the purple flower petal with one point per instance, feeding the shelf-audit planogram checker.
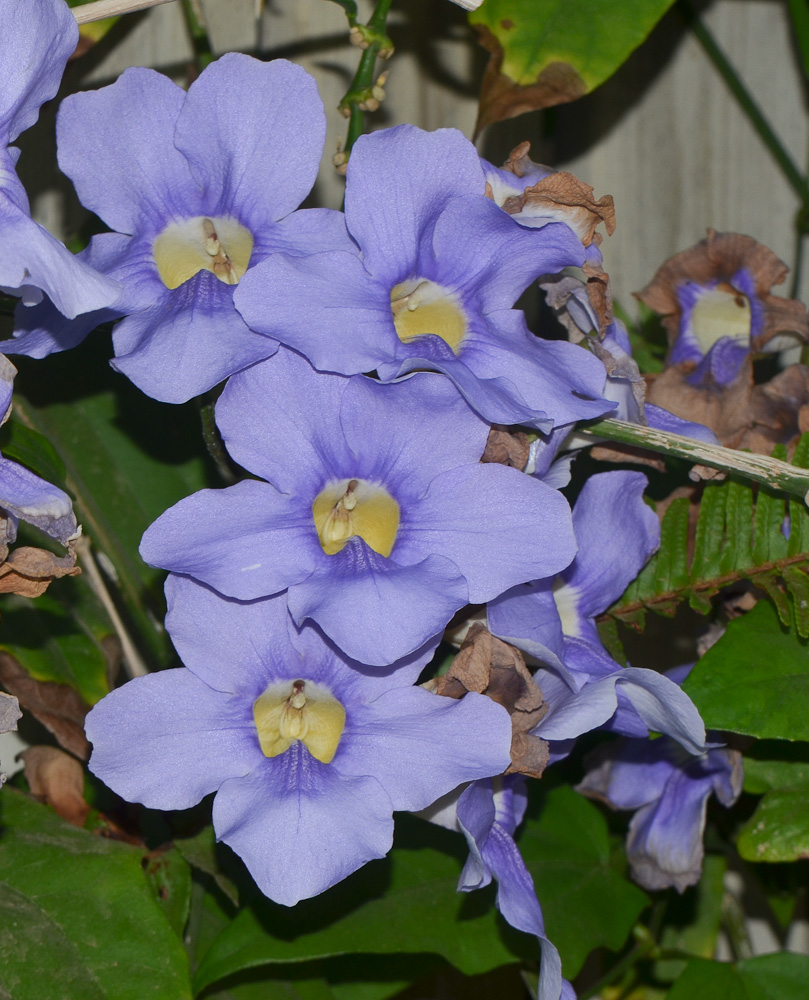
(398, 181)
(116, 145)
(300, 826)
(189, 739)
(258, 142)
(396, 738)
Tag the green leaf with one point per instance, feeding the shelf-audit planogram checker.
(169, 876)
(127, 459)
(200, 852)
(24, 445)
(755, 680)
(546, 52)
(379, 909)
(80, 920)
(782, 976)
(739, 535)
(779, 828)
(586, 902)
(770, 764)
(693, 920)
(60, 637)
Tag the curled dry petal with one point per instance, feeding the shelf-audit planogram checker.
(506, 447)
(486, 665)
(29, 571)
(58, 779)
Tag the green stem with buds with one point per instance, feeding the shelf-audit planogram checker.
(376, 44)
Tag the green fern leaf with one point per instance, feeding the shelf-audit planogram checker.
(741, 533)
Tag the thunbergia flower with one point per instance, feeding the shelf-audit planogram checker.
(553, 620)
(309, 752)
(25, 496)
(199, 186)
(433, 288)
(35, 44)
(488, 812)
(716, 306)
(377, 517)
(669, 791)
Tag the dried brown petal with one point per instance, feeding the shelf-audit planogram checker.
(30, 571)
(58, 707)
(58, 779)
(501, 97)
(489, 666)
(563, 194)
(506, 447)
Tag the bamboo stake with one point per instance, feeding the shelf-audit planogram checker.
(100, 9)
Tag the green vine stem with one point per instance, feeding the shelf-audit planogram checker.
(746, 101)
(198, 30)
(762, 469)
(365, 94)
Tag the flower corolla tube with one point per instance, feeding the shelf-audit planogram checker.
(36, 41)
(377, 516)
(440, 269)
(309, 752)
(198, 190)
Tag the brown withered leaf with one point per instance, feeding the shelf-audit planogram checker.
(58, 779)
(506, 447)
(30, 571)
(501, 97)
(58, 707)
(487, 665)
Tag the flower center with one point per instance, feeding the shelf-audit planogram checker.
(221, 245)
(421, 307)
(299, 710)
(348, 507)
(721, 312)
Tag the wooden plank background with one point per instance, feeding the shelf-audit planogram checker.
(663, 136)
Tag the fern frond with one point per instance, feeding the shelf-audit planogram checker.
(741, 533)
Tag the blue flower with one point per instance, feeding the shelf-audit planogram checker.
(377, 516)
(439, 269)
(199, 186)
(669, 791)
(309, 752)
(36, 41)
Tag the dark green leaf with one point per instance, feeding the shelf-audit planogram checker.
(755, 680)
(127, 458)
(169, 876)
(782, 976)
(586, 902)
(770, 764)
(80, 920)
(693, 920)
(62, 637)
(200, 853)
(779, 828)
(737, 554)
(379, 909)
(24, 445)
(672, 562)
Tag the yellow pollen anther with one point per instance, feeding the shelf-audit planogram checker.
(349, 507)
(422, 307)
(303, 710)
(221, 245)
